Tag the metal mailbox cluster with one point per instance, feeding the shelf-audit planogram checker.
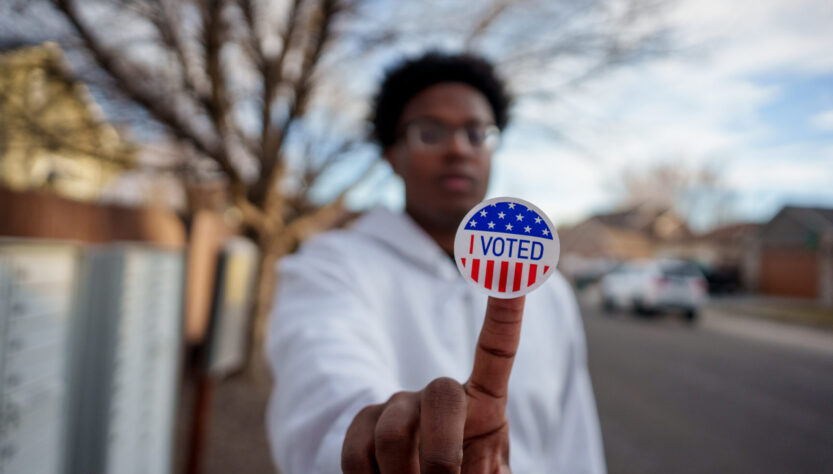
(36, 289)
(90, 344)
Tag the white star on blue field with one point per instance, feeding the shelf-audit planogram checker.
(494, 217)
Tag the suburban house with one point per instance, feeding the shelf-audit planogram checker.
(792, 254)
(634, 232)
(593, 245)
(720, 252)
(53, 135)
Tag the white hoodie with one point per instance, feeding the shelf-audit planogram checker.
(363, 313)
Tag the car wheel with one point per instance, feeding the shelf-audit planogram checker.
(690, 315)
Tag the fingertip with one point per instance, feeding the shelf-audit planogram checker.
(513, 303)
(505, 308)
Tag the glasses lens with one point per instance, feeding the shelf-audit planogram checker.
(484, 137)
(428, 133)
(476, 135)
(435, 134)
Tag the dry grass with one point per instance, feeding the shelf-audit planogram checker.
(805, 313)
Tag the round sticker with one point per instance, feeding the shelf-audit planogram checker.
(506, 247)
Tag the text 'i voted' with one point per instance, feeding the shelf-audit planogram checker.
(506, 247)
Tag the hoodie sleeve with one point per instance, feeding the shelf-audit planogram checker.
(329, 357)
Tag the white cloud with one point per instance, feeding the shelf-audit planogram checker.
(749, 36)
(823, 121)
(702, 107)
(563, 183)
(782, 175)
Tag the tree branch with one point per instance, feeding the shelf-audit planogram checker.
(202, 88)
(214, 33)
(306, 224)
(492, 15)
(162, 109)
(254, 37)
(272, 79)
(166, 23)
(273, 171)
(60, 141)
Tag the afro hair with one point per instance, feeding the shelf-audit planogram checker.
(411, 76)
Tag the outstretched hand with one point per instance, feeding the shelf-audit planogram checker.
(446, 427)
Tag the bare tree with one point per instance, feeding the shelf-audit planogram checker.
(265, 92)
(696, 192)
(49, 134)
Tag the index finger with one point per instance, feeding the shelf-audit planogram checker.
(496, 346)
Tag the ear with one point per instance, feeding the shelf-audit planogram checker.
(393, 155)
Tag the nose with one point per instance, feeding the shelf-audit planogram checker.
(458, 144)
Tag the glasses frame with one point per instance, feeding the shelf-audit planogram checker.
(410, 133)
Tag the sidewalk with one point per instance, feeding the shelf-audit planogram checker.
(788, 322)
(236, 435)
(789, 310)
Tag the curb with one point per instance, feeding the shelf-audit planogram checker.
(783, 334)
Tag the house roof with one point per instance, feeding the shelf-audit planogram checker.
(816, 218)
(592, 238)
(728, 232)
(637, 217)
(797, 226)
(657, 222)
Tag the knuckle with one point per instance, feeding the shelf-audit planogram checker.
(365, 413)
(477, 388)
(441, 462)
(395, 427)
(352, 460)
(361, 424)
(399, 397)
(391, 436)
(495, 351)
(445, 389)
(358, 440)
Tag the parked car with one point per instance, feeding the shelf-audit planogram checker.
(721, 279)
(650, 286)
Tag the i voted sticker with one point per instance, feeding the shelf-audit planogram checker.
(506, 247)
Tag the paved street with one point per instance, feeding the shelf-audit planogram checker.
(679, 399)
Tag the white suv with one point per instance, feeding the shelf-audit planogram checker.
(649, 286)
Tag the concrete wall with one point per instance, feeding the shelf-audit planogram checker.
(46, 216)
(826, 270)
(790, 272)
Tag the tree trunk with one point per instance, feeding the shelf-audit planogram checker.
(271, 250)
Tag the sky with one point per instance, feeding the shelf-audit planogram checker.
(749, 94)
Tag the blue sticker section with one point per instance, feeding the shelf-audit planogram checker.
(509, 218)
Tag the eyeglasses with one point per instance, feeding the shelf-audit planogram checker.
(433, 135)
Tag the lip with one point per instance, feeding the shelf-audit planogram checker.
(456, 182)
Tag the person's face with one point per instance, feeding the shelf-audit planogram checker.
(444, 177)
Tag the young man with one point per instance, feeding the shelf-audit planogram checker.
(385, 359)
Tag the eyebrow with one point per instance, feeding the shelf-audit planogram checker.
(429, 118)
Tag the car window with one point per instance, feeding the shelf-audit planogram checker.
(620, 270)
(682, 269)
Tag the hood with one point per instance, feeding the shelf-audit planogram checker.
(402, 235)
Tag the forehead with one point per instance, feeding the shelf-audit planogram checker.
(451, 102)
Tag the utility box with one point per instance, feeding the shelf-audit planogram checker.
(126, 358)
(36, 302)
(234, 292)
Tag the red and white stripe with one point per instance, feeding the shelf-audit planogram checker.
(504, 276)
